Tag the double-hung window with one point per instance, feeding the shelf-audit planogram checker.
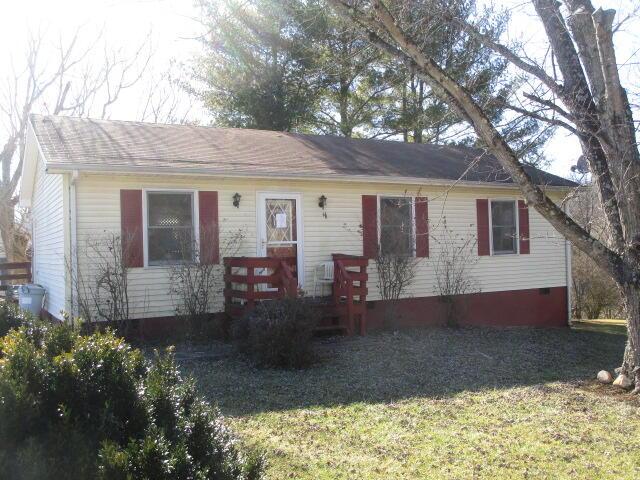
(170, 227)
(504, 227)
(396, 226)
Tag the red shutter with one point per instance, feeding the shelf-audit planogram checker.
(422, 227)
(209, 230)
(131, 228)
(523, 225)
(482, 211)
(370, 226)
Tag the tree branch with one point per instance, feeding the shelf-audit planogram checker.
(458, 97)
(509, 54)
(550, 105)
(551, 121)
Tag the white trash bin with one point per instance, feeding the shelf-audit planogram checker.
(30, 298)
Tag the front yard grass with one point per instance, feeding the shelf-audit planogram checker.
(435, 403)
(603, 325)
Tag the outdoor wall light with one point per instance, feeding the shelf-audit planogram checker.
(322, 203)
(236, 200)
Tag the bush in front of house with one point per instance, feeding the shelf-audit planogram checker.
(74, 406)
(278, 333)
(11, 316)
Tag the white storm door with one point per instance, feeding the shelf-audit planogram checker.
(280, 232)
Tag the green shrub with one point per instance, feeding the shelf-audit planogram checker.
(278, 333)
(74, 406)
(11, 317)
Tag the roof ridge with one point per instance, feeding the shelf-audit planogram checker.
(281, 132)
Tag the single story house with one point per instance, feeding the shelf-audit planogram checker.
(321, 202)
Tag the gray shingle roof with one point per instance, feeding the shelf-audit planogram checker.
(78, 142)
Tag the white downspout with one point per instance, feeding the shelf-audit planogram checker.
(569, 276)
(73, 250)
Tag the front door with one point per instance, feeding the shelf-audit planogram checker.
(280, 228)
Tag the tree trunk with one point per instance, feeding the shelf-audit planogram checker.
(419, 114)
(405, 129)
(7, 230)
(345, 122)
(631, 361)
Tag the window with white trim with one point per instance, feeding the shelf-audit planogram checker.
(170, 227)
(504, 227)
(396, 226)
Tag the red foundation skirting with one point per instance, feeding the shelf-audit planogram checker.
(157, 328)
(536, 307)
(539, 307)
(46, 315)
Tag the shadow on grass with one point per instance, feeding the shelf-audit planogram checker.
(388, 367)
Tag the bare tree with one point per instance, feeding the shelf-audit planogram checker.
(453, 270)
(578, 90)
(86, 78)
(108, 285)
(168, 100)
(594, 293)
(395, 275)
(81, 308)
(395, 263)
(101, 287)
(197, 284)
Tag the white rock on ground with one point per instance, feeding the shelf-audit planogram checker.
(605, 377)
(623, 381)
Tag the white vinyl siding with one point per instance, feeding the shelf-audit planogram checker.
(48, 224)
(98, 212)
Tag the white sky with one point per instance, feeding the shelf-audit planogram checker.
(124, 21)
(125, 25)
(173, 28)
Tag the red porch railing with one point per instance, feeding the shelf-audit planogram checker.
(350, 291)
(6, 274)
(251, 279)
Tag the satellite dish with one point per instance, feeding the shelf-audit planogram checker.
(581, 166)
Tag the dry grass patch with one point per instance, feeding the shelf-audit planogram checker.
(438, 403)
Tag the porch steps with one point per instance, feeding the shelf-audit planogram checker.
(332, 316)
(329, 321)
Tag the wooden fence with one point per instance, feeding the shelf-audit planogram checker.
(12, 272)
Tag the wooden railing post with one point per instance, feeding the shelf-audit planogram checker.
(350, 290)
(227, 286)
(282, 285)
(350, 317)
(336, 282)
(363, 299)
(251, 303)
